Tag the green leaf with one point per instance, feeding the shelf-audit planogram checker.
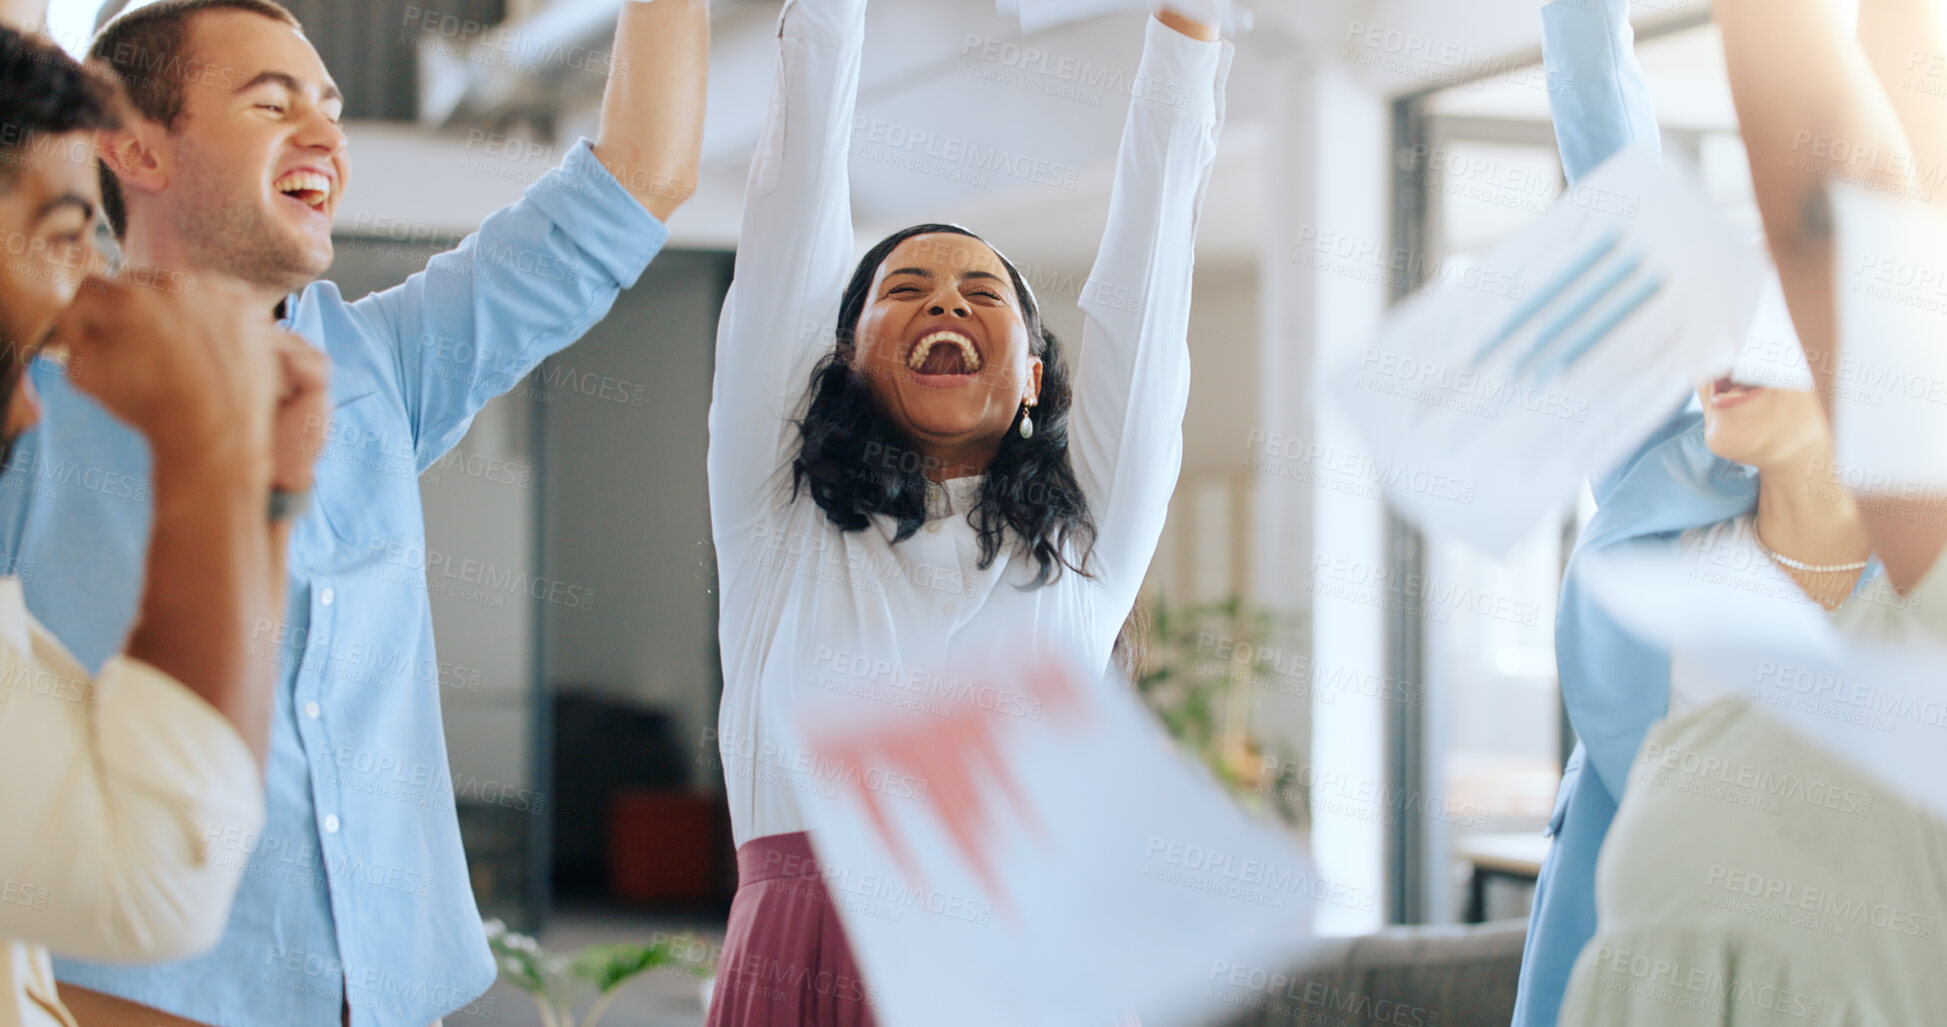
(612, 965)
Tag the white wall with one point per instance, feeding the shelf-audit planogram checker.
(1325, 295)
(480, 507)
(1204, 551)
(627, 511)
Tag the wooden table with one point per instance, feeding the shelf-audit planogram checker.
(1516, 857)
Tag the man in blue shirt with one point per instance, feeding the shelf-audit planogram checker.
(355, 900)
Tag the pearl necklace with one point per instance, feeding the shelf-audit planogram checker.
(1799, 565)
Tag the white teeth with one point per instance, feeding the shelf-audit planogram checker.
(304, 182)
(917, 358)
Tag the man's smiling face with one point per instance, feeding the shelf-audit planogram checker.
(255, 165)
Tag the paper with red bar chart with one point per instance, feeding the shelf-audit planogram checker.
(1553, 355)
(1031, 851)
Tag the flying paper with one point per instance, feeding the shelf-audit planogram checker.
(1042, 856)
(1772, 356)
(1554, 354)
(1041, 15)
(1889, 384)
(1881, 706)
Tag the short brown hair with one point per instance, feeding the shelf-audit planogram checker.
(144, 49)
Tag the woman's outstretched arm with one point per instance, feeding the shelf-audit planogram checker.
(1601, 106)
(1903, 41)
(1600, 102)
(1812, 109)
(793, 256)
(1133, 365)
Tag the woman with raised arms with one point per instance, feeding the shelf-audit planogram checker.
(1730, 898)
(902, 462)
(1723, 485)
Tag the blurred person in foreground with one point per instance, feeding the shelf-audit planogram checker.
(113, 785)
(1751, 876)
(1800, 72)
(1721, 482)
(230, 162)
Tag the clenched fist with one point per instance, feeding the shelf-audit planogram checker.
(301, 424)
(202, 378)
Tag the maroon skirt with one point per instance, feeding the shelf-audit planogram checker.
(785, 960)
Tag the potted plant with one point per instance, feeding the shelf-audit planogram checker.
(1204, 698)
(559, 983)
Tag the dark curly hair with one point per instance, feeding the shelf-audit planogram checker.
(43, 93)
(854, 462)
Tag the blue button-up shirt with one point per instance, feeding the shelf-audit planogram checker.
(357, 888)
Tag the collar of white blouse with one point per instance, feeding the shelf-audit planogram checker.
(953, 496)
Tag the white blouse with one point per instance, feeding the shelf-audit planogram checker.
(806, 608)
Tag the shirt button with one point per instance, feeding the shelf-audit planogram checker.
(311, 710)
(932, 527)
(950, 609)
(327, 596)
(331, 824)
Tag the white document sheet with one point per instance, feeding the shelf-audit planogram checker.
(1041, 15)
(1553, 355)
(1878, 705)
(1890, 390)
(1095, 875)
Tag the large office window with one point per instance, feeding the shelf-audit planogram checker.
(1478, 162)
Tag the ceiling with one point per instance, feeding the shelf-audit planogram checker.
(952, 68)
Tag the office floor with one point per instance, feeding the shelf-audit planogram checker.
(660, 998)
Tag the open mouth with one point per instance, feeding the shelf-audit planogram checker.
(944, 353)
(307, 187)
(1725, 393)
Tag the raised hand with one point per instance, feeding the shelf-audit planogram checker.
(303, 416)
(1197, 19)
(201, 377)
(197, 375)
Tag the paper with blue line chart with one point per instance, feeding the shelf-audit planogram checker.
(1576, 339)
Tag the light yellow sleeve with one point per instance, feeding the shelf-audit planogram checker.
(126, 807)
